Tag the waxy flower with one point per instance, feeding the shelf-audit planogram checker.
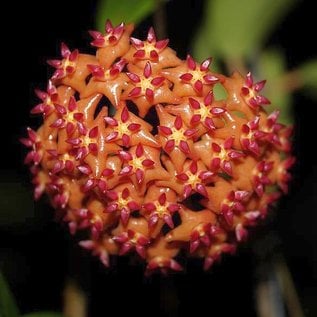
(136, 151)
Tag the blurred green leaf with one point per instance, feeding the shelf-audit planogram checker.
(308, 73)
(272, 67)
(16, 203)
(272, 64)
(237, 28)
(8, 307)
(200, 50)
(43, 314)
(127, 11)
(219, 92)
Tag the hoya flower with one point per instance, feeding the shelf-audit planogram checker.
(135, 150)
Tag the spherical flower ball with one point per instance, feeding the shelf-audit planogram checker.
(136, 151)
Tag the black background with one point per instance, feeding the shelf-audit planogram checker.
(38, 255)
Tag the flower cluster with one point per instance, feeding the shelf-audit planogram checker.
(135, 149)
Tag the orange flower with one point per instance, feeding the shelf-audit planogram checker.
(135, 150)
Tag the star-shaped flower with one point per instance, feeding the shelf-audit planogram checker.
(108, 81)
(223, 154)
(133, 236)
(159, 207)
(141, 164)
(67, 65)
(113, 44)
(153, 50)
(261, 176)
(33, 141)
(146, 89)
(250, 92)
(100, 248)
(86, 142)
(201, 113)
(127, 129)
(123, 199)
(191, 79)
(235, 202)
(49, 98)
(110, 38)
(68, 117)
(251, 136)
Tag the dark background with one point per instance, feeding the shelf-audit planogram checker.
(36, 254)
